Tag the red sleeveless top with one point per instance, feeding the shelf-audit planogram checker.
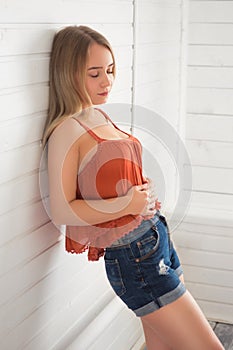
(114, 168)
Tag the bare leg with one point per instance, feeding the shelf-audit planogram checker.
(182, 326)
(153, 341)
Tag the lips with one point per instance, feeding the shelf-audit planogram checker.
(103, 93)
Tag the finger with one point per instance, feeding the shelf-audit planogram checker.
(142, 187)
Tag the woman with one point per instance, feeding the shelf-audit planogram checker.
(110, 208)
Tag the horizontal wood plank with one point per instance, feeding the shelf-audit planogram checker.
(161, 12)
(154, 52)
(19, 132)
(208, 293)
(205, 55)
(56, 305)
(209, 127)
(217, 311)
(21, 220)
(218, 294)
(210, 153)
(131, 331)
(159, 70)
(208, 276)
(23, 71)
(201, 182)
(66, 12)
(210, 101)
(210, 77)
(210, 11)
(20, 250)
(207, 242)
(218, 261)
(156, 33)
(192, 225)
(13, 160)
(18, 192)
(21, 101)
(211, 34)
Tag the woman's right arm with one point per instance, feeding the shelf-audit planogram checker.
(63, 159)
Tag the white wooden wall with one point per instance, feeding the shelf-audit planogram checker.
(49, 299)
(205, 238)
(157, 61)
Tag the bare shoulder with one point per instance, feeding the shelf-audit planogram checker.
(66, 133)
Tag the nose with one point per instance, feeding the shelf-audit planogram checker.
(106, 80)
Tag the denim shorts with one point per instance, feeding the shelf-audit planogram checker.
(145, 273)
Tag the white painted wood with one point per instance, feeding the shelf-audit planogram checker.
(206, 259)
(217, 312)
(22, 71)
(25, 100)
(201, 275)
(58, 11)
(214, 77)
(211, 11)
(220, 201)
(161, 70)
(96, 328)
(202, 176)
(157, 33)
(157, 52)
(207, 242)
(22, 220)
(13, 160)
(209, 127)
(56, 295)
(18, 132)
(204, 238)
(210, 153)
(217, 294)
(211, 34)
(210, 55)
(19, 192)
(210, 101)
(163, 12)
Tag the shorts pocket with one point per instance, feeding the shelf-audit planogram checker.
(114, 276)
(148, 245)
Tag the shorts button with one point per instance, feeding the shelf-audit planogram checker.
(137, 260)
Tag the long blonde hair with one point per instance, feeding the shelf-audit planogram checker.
(68, 57)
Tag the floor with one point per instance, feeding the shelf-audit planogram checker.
(224, 332)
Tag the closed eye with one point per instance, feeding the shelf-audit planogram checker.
(94, 75)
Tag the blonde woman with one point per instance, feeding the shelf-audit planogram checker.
(97, 189)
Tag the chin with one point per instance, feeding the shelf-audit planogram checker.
(100, 102)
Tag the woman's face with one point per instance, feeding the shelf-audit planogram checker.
(99, 73)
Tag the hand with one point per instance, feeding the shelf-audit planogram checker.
(142, 200)
(157, 204)
(151, 189)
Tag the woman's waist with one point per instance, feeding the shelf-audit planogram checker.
(136, 233)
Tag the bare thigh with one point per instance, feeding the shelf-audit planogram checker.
(181, 326)
(153, 341)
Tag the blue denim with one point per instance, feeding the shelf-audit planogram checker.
(145, 272)
(137, 232)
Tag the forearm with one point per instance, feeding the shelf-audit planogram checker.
(91, 212)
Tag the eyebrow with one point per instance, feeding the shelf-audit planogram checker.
(110, 65)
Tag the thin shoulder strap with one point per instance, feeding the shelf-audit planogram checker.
(90, 132)
(108, 118)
